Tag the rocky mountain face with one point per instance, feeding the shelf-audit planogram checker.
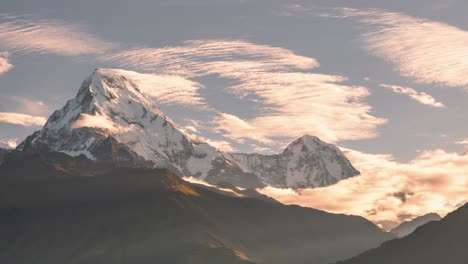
(436, 242)
(408, 227)
(306, 162)
(52, 211)
(111, 119)
(3, 153)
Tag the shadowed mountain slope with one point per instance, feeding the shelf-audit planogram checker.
(439, 242)
(58, 209)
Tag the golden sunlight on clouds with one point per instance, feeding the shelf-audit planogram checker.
(389, 192)
(168, 89)
(5, 64)
(420, 97)
(276, 79)
(425, 50)
(10, 143)
(308, 103)
(22, 119)
(99, 121)
(27, 34)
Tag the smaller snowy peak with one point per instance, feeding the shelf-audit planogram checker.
(312, 142)
(306, 162)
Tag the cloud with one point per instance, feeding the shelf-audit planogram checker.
(22, 119)
(224, 190)
(427, 51)
(100, 121)
(435, 181)
(168, 89)
(32, 107)
(305, 103)
(221, 145)
(5, 64)
(37, 35)
(8, 143)
(420, 97)
(463, 142)
(202, 57)
(277, 80)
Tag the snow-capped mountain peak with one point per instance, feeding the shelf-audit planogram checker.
(113, 119)
(306, 162)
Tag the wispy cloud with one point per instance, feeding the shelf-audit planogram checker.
(462, 142)
(279, 81)
(29, 106)
(8, 143)
(22, 119)
(102, 122)
(421, 97)
(425, 50)
(204, 57)
(5, 64)
(168, 89)
(389, 192)
(38, 35)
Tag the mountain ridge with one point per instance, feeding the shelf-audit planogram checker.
(408, 227)
(436, 242)
(112, 119)
(52, 211)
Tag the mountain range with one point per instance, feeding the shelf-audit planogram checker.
(408, 227)
(103, 182)
(112, 119)
(436, 242)
(60, 209)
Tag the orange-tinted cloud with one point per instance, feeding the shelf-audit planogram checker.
(28, 34)
(389, 192)
(9, 143)
(100, 121)
(422, 98)
(278, 81)
(22, 119)
(168, 89)
(5, 64)
(425, 50)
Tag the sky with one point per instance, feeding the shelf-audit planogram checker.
(386, 81)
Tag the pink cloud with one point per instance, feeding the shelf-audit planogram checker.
(389, 192)
(28, 34)
(422, 98)
(5, 64)
(22, 119)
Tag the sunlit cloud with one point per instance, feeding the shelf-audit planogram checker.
(389, 192)
(168, 89)
(5, 64)
(272, 78)
(8, 143)
(29, 106)
(202, 57)
(425, 50)
(38, 35)
(204, 183)
(100, 121)
(463, 142)
(308, 103)
(221, 145)
(421, 97)
(21, 119)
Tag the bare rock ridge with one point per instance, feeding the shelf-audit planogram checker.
(111, 119)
